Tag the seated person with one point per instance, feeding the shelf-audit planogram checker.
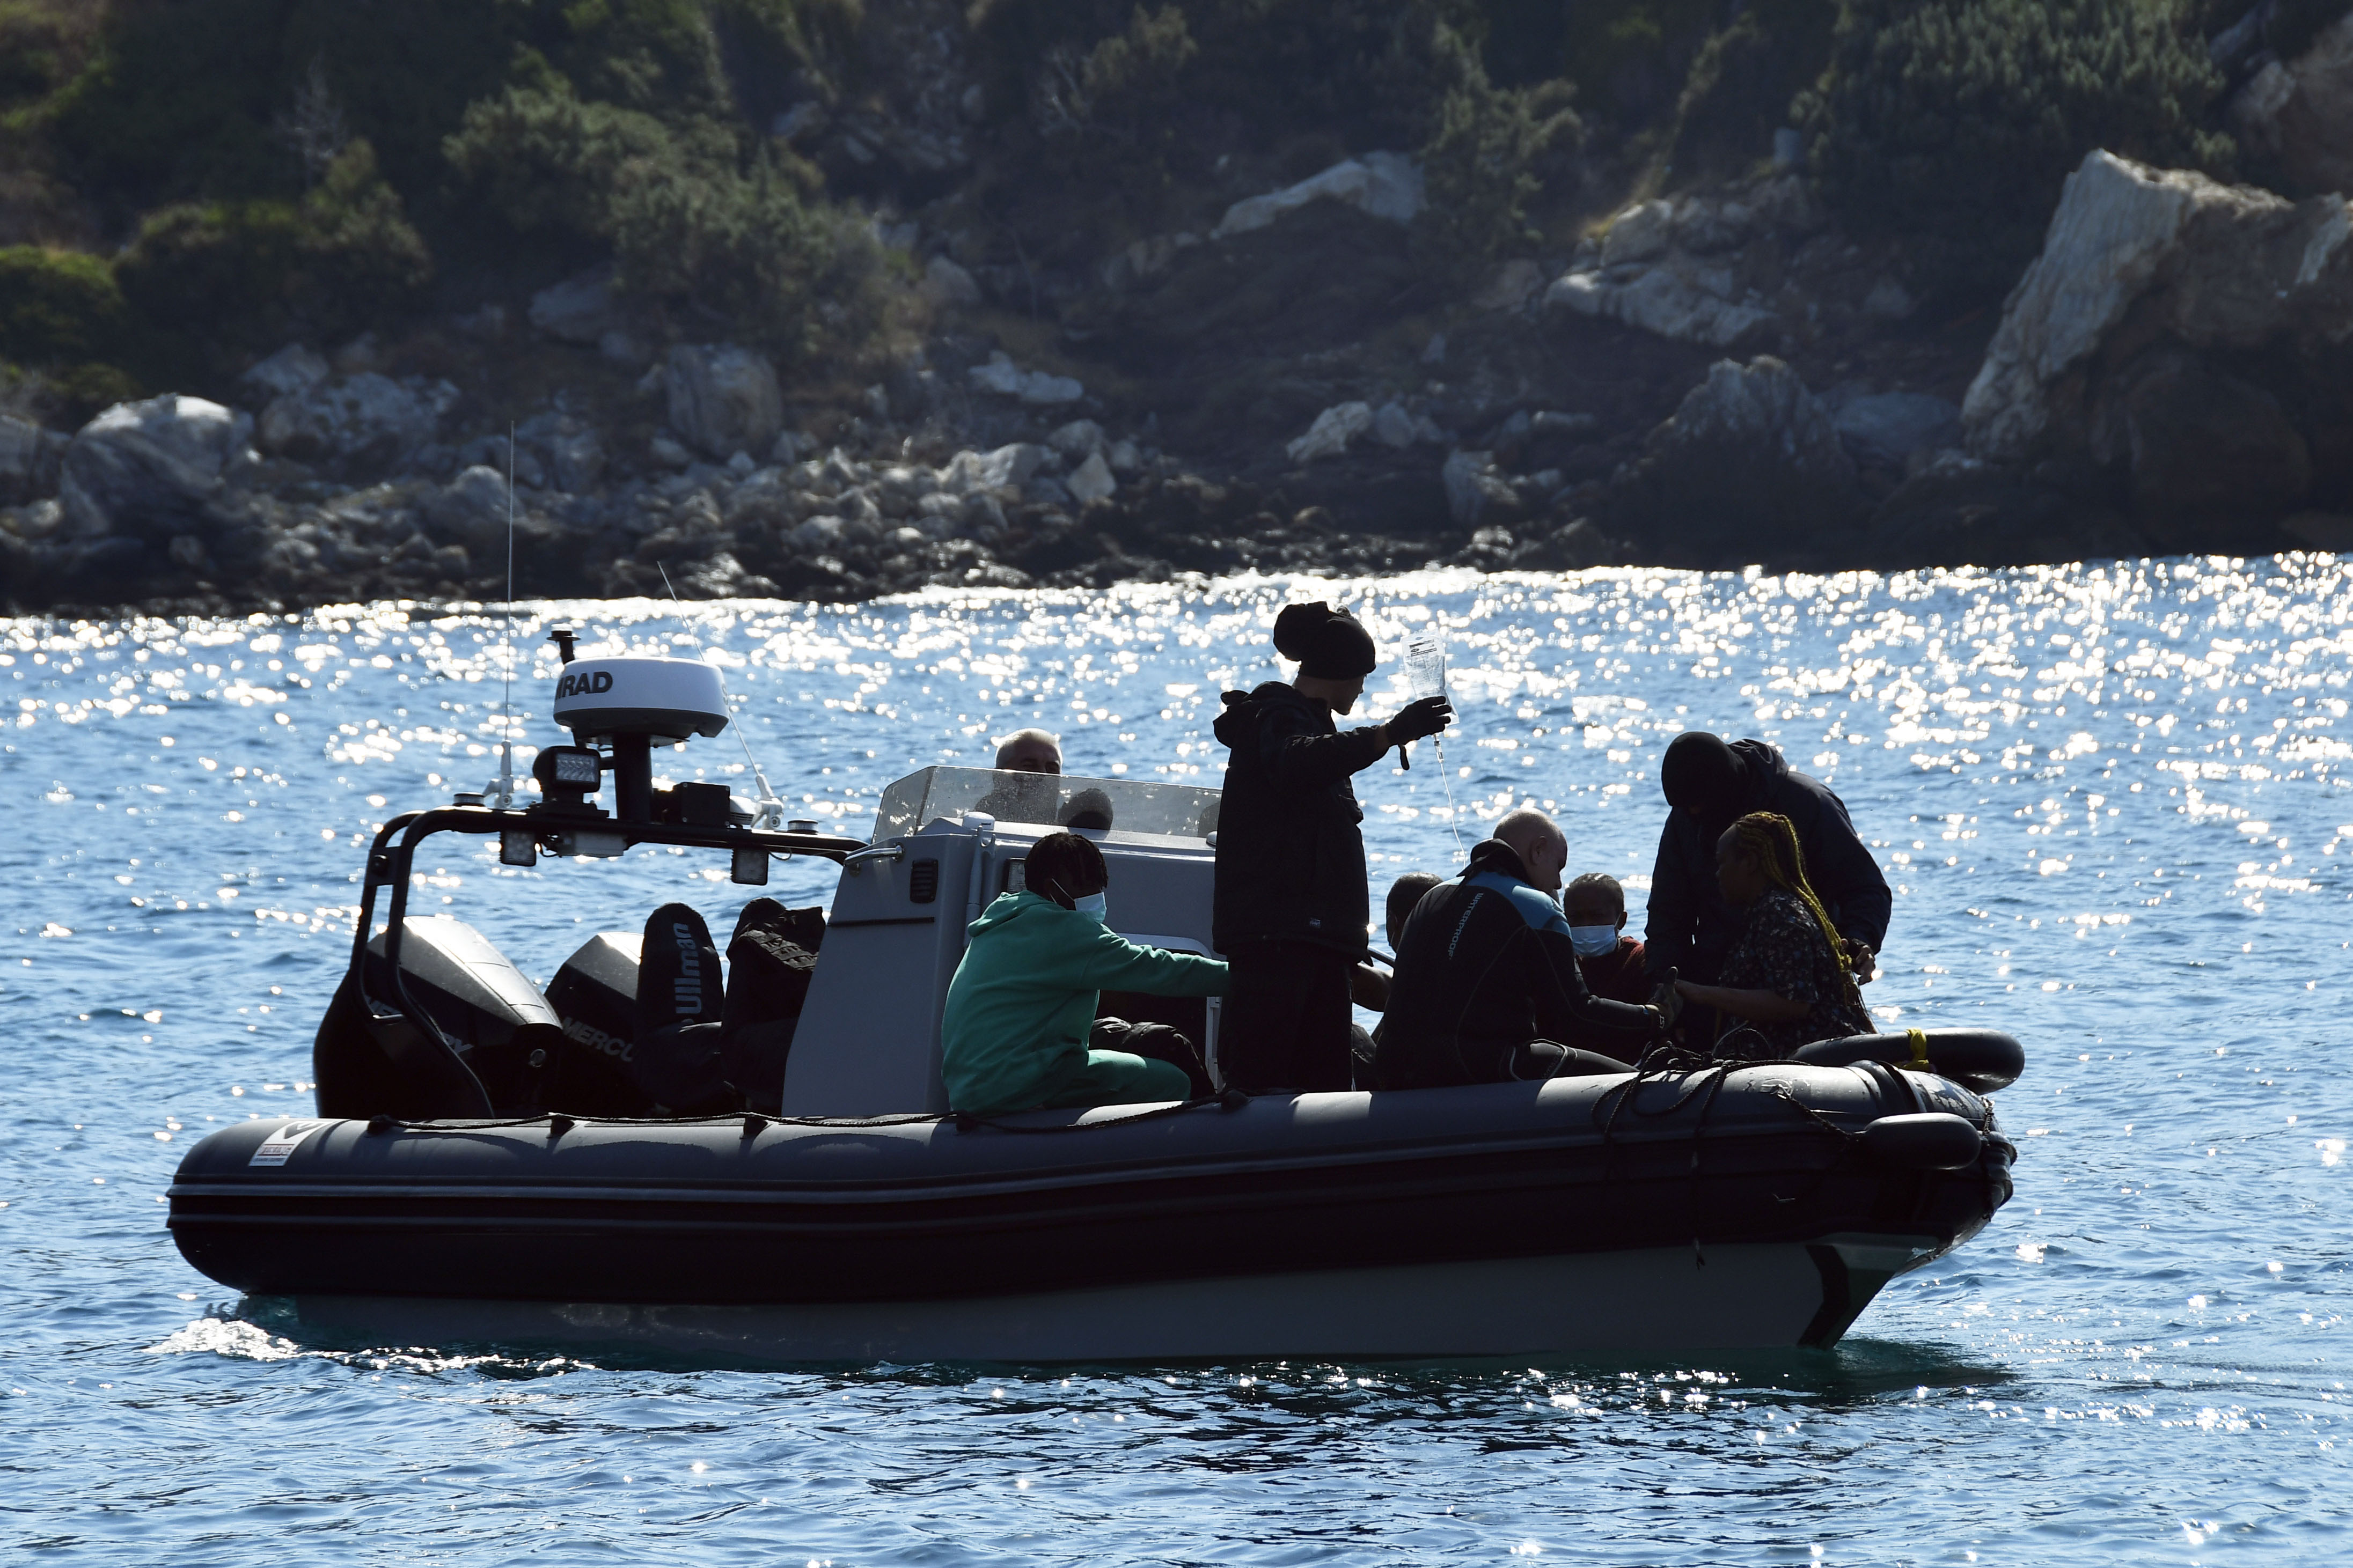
(1035, 757)
(1369, 988)
(1595, 906)
(1488, 988)
(1786, 977)
(1020, 1031)
(1404, 894)
(1089, 808)
(1030, 752)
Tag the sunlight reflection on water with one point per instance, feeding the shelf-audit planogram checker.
(2114, 803)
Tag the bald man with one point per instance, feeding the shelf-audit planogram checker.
(1488, 989)
(1030, 752)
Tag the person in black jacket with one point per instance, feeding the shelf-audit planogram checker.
(1709, 784)
(1292, 903)
(1488, 988)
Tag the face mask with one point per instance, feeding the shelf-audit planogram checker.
(1093, 904)
(1592, 942)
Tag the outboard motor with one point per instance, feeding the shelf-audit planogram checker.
(595, 996)
(506, 1035)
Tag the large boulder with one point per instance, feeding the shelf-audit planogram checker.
(1750, 466)
(2136, 255)
(148, 469)
(364, 422)
(2204, 448)
(722, 399)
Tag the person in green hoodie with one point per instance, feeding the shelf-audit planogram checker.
(1020, 1031)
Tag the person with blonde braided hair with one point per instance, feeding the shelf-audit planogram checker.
(1786, 977)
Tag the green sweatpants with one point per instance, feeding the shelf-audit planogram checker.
(1115, 1077)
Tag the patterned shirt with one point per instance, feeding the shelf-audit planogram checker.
(1784, 951)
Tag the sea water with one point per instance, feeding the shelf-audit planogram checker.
(2113, 802)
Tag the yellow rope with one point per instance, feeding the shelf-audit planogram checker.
(1919, 1062)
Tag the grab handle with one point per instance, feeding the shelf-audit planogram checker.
(851, 863)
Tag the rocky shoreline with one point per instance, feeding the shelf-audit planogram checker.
(1711, 380)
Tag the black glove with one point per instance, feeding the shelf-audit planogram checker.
(1426, 716)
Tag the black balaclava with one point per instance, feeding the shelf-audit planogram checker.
(1703, 777)
(1329, 644)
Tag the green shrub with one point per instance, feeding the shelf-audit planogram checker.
(1742, 84)
(689, 216)
(1957, 120)
(1628, 58)
(252, 274)
(58, 307)
(1485, 156)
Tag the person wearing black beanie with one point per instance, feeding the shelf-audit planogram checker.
(1709, 783)
(1292, 906)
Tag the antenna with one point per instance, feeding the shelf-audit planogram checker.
(502, 788)
(772, 807)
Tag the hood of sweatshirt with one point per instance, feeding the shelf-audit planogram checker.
(1494, 855)
(1238, 724)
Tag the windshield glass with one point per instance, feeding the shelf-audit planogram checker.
(1132, 805)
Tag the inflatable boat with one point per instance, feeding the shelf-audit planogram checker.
(497, 1161)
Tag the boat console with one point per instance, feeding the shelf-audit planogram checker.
(946, 842)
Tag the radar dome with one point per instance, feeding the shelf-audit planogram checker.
(664, 699)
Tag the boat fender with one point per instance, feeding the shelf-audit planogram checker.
(1979, 1060)
(1924, 1140)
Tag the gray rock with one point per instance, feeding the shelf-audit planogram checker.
(1640, 233)
(1880, 430)
(1078, 438)
(2141, 256)
(1681, 299)
(290, 371)
(30, 461)
(669, 453)
(2209, 454)
(1092, 480)
(1379, 184)
(1750, 463)
(1393, 426)
(1035, 388)
(948, 285)
(1474, 488)
(1001, 473)
(149, 467)
(365, 421)
(472, 509)
(575, 457)
(1333, 430)
(722, 398)
(580, 310)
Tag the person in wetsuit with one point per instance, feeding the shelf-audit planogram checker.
(1488, 988)
(1291, 902)
(1709, 783)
